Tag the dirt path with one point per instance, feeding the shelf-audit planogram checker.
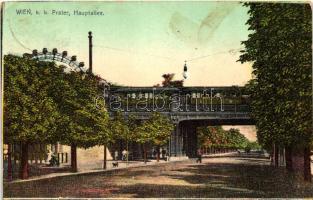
(215, 177)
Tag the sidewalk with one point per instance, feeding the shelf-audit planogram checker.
(218, 154)
(97, 167)
(86, 170)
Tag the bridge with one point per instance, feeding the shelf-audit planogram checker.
(187, 107)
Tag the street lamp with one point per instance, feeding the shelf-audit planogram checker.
(105, 96)
(90, 51)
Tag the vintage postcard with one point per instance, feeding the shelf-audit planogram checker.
(156, 99)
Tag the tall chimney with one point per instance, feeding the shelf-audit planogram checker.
(90, 51)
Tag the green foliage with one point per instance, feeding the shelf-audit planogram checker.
(279, 47)
(253, 146)
(83, 124)
(119, 127)
(170, 82)
(30, 114)
(122, 128)
(43, 104)
(215, 136)
(157, 130)
(132, 124)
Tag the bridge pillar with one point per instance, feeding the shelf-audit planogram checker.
(191, 139)
(184, 140)
(176, 142)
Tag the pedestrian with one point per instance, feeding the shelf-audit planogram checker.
(116, 155)
(163, 153)
(199, 155)
(167, 157)
(154, 153)
(124, 154)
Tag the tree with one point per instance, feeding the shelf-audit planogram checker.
(279, 47)
(132, 124)
(169, 82)
(118, 127)
(105, 136)
(83, 124)
(155, 130)
(30, 113)
(44, 104)
(217, 137)
(163, 129)
(235, 139)
(123, 129)
(252, 146)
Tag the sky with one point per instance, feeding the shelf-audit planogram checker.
(136, 42)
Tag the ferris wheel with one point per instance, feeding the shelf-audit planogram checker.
(54, 55)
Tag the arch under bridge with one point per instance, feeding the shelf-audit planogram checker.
(187, 107)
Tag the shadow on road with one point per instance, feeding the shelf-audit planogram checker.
(219, 180)
(215, 178)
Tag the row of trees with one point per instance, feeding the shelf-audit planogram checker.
(154, 131)
(44, 104)
(218, 138)
(279, 46)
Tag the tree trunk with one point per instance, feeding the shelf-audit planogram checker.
(307, 164)
(276, 152)
(74, 158)
(301, 162)
(145, 153)
(288, 158)
(24, 161)
(9, 163)
(104, 156)
(158, 153)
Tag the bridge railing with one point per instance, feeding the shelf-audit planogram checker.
(241, 108)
